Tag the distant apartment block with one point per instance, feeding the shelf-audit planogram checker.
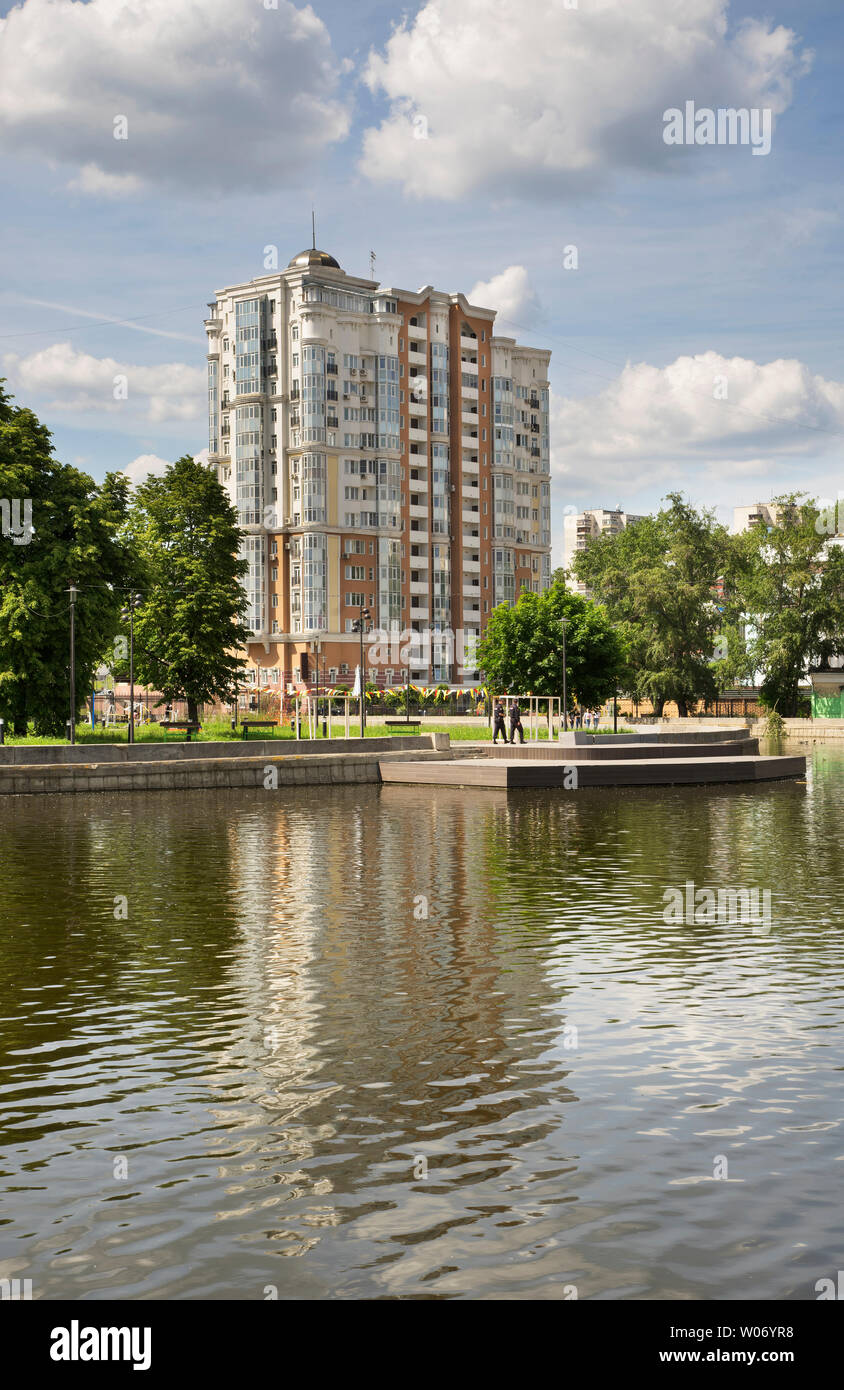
(384, 449)
(580, 531)
(759, 514)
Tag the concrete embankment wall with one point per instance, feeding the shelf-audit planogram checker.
(806, 730)
(186, 767)
(801, 730)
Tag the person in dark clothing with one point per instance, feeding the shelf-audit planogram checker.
(498, 724)
(516, 723)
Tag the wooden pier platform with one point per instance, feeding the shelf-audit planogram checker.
(575, 772)
(602, 750)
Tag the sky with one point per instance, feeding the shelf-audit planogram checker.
(152, 151)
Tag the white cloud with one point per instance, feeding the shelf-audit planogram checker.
(92, 179)
(511, 293)
(145, 466)
(537, 98)
(223, 95)
(61, 378)
(731, 416)
(151, 466)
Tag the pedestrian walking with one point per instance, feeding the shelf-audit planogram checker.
(516, 723)
(498, 724)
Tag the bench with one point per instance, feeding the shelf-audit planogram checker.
(180, 724)
(248, 724)
(395, 726)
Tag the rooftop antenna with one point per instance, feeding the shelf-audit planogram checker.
(313, 229)
(372, 265)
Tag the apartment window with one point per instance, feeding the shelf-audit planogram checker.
(355, 600)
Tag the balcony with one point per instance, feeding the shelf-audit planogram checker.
(418, 510)
(471, 344)
(470, 514)
(469, 442)
(417, 436)
(419, 586)
(471, 566)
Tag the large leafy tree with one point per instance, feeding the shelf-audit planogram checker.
(522, 648)
(659, 580)
(76, 537)
(190, 624)
(786, 593)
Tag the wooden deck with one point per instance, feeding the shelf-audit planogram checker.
(613, 752)
(537, 771)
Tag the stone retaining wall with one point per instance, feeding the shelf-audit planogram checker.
(51, 753)
(259, 769)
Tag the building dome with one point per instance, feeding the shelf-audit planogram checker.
(314, 257)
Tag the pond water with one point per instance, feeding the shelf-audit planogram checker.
(418, 1042)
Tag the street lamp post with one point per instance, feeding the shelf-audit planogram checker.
(128, 613)
(564, 625)
(318, 647)
(73, 591)
(365, 617)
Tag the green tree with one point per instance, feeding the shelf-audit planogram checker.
(77, 536)
(522, 648)
(190, 626)
(659, 581)
(787, 588)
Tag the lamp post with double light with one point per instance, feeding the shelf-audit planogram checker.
(564, 624)
(128, 615)
(72, 591)
(361, 625)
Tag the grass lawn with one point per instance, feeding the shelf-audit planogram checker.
(221, 732)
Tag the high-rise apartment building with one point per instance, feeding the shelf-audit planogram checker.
(384, 449)
(759, 514)
(579, 531)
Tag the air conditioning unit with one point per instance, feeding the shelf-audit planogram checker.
(346, 396)
(363, 371)
(353, 371)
